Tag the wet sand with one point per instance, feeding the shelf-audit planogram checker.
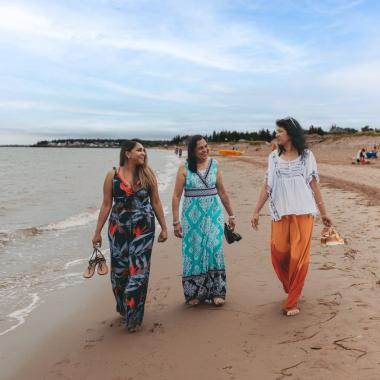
(78, 335)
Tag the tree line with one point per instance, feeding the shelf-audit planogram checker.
(217, 137)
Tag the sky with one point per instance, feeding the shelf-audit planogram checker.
(155, 69)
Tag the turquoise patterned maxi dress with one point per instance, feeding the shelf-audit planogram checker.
(204, 275)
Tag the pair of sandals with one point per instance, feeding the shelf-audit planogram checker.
(97, 259)
(330, 236)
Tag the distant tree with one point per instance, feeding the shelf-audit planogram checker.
(338, 130)
(316, 131)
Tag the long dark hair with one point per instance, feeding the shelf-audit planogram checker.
(191, 147)
(143, 174)
(295, 133)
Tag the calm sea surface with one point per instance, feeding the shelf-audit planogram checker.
(49, 203)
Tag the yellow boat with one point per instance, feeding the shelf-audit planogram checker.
(230, 152)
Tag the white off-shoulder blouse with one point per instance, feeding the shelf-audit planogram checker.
(288, 185)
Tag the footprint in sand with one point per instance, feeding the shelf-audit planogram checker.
(327, 266)
(334, 299)
(351, 253)
(92, 338)
(157, 328)
(64, 361)
(160, 294)
(361, 303)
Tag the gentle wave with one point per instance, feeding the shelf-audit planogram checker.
(73, 221)
(74, 263)
(21, 314)
(78, 220)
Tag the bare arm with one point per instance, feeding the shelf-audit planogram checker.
(319, 201)
(177, 194)
(259, 205)
(104, 209)
(159, 212)
(225, 199)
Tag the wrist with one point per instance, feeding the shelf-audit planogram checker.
(176, 222)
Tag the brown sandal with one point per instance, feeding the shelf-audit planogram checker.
(90, 270)
(330, 236)
(101, 261)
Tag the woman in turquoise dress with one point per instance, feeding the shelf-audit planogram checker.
(201, 225)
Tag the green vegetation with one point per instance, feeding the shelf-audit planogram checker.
(96, 143)
(215, 137)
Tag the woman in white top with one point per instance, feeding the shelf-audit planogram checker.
(291, 185)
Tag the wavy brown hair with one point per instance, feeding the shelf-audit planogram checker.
(143, 175)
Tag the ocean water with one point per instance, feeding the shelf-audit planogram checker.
(49, 203)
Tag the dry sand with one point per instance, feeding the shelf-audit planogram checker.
(78, 335)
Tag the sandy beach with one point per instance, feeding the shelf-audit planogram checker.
(76, 334)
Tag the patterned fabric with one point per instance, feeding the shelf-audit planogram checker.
(200, 192)
(131, 236)
(204, 275)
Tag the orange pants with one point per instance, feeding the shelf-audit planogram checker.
(290, 247)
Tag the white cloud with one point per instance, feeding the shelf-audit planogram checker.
(216, 47)
(357, 79)
(44, 107)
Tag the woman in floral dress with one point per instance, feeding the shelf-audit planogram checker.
(201, 226)
(132, 188)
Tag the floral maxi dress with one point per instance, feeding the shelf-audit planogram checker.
(131, 236)
(204, 276)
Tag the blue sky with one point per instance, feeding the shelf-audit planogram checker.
(154, 69)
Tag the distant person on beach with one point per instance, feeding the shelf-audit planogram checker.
(180, 152)
(358, 155)
(363, 157)
(291, 185)
(201, 225)
(133, 190)
(372, 153)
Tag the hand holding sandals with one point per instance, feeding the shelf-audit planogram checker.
(97, 259)
(326, 220)
(97, 240)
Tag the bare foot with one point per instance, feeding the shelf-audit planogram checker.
(218, 301)
(194, 302)
(291, 312)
